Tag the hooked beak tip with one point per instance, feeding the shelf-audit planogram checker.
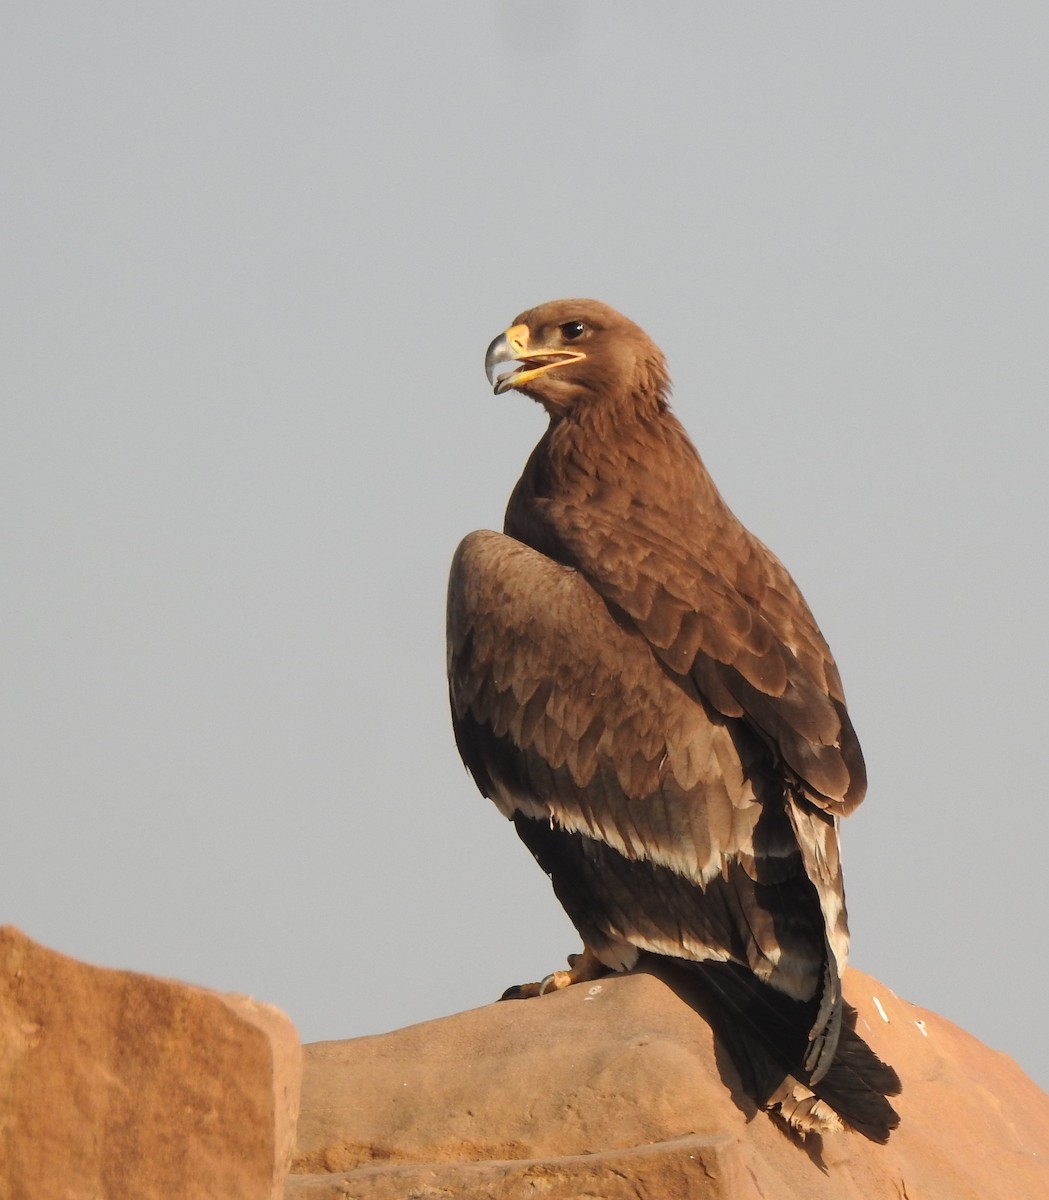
(495, 355)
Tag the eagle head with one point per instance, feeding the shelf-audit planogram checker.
(573, 353)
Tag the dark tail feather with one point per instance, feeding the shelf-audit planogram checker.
(857, 1084)
(767, 1035)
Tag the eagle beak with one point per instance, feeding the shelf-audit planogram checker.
(513, 346)
(507, 347)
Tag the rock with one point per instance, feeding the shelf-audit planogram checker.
(711, 1167)
(119, 1085)
(617, 1089)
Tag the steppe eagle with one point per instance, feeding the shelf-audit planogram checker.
(637, 682)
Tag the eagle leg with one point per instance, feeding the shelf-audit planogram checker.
(582, 969)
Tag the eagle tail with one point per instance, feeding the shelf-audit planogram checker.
(767, 1036)
(857, 1084)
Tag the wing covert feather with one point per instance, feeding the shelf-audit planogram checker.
(756, 653)
(638, 760)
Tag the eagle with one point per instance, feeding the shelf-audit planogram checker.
(637, 683)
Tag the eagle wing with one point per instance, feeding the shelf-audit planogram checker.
(734, 623)
(630, 787)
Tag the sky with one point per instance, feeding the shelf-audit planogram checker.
(252, 255)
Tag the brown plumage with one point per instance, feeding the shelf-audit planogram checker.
(638, 684)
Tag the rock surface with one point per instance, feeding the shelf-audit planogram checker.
(115, 1085)
(616, 1089)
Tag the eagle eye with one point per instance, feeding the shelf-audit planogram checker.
(571, 330)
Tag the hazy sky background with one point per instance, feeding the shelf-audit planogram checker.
(252, 255)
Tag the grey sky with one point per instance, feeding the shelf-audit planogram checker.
(252, 256)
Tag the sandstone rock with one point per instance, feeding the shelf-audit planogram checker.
(694, 1166)
(617, 1089)
(118, 1086)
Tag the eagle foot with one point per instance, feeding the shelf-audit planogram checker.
(582, 968)
(802, 1111)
